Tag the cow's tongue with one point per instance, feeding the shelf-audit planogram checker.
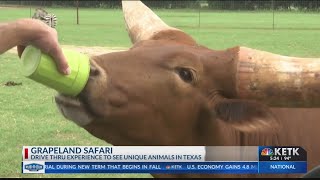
(73, 109)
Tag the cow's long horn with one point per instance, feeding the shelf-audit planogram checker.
(141, 22)
(276, 80)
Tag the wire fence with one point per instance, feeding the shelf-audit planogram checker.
(263, 14)
(283, 5)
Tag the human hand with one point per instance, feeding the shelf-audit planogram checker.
(37, 33)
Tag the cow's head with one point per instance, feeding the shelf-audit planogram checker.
(165, 90)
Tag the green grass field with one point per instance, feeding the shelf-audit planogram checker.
(28, 115)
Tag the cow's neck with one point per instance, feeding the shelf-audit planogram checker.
(218, 133)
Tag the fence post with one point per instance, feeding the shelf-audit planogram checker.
(77, 3)
(199, 2)
(273, 14)
(30, 8)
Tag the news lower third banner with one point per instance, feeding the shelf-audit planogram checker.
(164, 159)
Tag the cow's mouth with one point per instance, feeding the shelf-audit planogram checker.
(73, 108)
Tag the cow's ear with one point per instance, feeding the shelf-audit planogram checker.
(245, 115)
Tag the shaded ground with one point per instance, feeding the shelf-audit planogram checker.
(95, 50)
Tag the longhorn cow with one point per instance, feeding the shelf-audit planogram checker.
(169, 90)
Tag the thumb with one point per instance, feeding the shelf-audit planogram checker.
(60, 60)
(20, 50)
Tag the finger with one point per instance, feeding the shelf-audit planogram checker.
(20, 50)
(60, 60)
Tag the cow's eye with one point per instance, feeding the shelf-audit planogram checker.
(185, 74)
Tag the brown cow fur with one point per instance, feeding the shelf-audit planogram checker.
(168, 90)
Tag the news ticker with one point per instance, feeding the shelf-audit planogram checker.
(164, 159)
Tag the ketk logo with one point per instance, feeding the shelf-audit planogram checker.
(33, 167)
(286, 151)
